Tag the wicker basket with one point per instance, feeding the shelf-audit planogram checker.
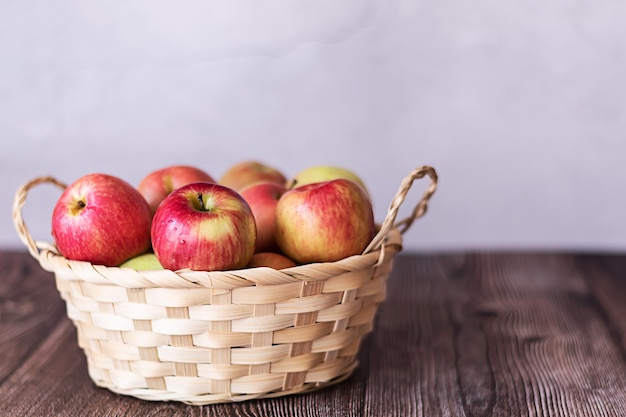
(209, 337)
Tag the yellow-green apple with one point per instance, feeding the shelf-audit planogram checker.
(160, 183)
(320, 173)
(144, 262)
(324, 221)
(263, 198)
(271, 260)
(245, 173)
(203, 227)
(101, 219)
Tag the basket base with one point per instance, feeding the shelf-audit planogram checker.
(208, 398)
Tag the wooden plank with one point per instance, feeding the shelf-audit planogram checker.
(606, 277)
(546, 342)
(411, 362)
(493, 334)
(30, 306)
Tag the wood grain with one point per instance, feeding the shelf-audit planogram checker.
(460, 334)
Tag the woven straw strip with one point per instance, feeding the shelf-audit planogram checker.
(219, 340)
(305, 333)
(296, 377)
(184, 367)
(262, 339)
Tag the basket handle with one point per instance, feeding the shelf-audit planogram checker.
(420, 209)
(18, 203)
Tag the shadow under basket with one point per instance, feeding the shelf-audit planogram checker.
(211, 337)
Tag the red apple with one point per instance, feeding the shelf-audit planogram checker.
(160, 183)
(203, 227)
(270, 260)
(263, 198)
(246, 173)
(324, 221)
(101, 219)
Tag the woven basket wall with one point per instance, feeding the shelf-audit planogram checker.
(208, 337)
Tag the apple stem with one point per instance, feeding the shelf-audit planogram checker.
(201, 201)
(81, 204)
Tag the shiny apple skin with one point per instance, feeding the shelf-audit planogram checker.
(101, 219)
(203, 227)
(324, 222)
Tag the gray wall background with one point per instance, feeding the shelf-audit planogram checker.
(520, 106)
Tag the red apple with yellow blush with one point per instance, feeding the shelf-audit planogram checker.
(324, 221)
(101, 219)
(204, 227)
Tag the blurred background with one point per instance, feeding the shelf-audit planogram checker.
(520, 106)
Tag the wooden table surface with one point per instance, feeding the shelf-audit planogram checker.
(463, 334)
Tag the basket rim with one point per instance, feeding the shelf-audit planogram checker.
(72, 270)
